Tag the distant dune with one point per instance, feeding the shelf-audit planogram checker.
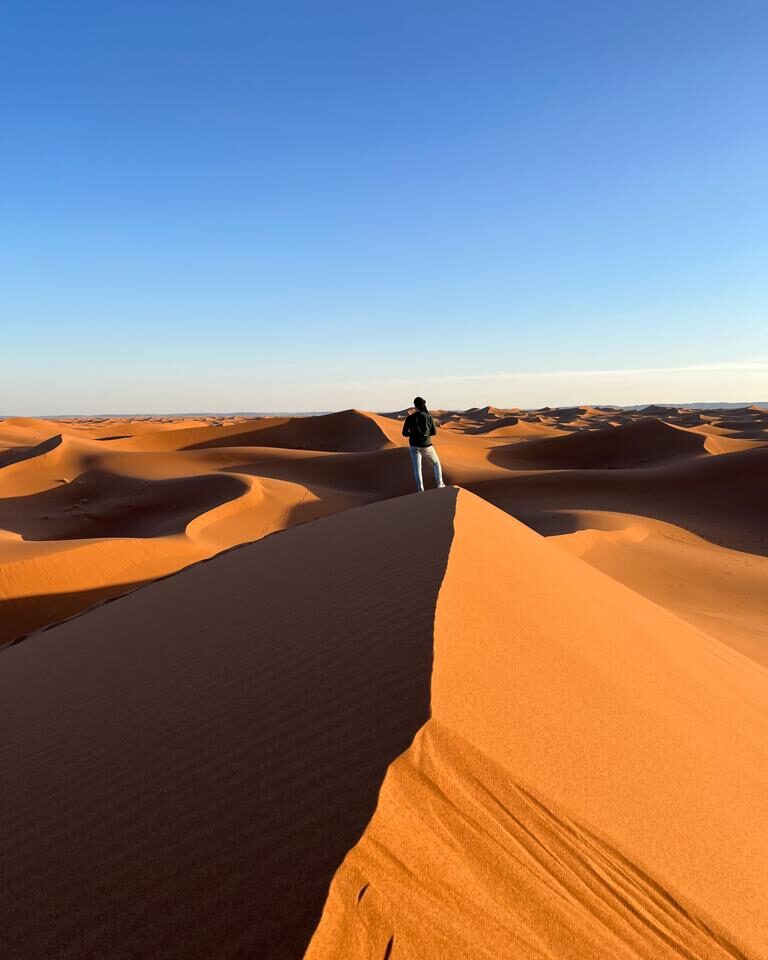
(629, 445)
(347, 431)
(269, 703)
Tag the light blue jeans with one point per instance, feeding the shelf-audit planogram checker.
(417, 455)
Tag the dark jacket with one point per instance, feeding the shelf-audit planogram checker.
(419, 427)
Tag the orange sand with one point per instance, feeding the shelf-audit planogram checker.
(416, 729)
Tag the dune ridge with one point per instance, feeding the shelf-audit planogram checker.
(416, 728)
(561, 837)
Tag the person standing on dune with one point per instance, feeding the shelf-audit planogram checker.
(419, 427)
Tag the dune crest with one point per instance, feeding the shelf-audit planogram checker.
(605, 734)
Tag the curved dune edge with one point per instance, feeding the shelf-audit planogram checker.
(46, 582)
(591, 782)
(45, 489)
(722, 592)
(19, 454)
(57, 459)
(719, 498)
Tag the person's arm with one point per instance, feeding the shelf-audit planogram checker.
(407, 426)
(432, 426)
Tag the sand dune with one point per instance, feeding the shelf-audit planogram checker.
(413, 729)
(143, 507)
(213, 743)
(590, 781)
(630, 445)
(520, 429)
(18, 454)
(723, 592)
(719, 498)
(449, 868)
(44, 581)
(417, 724)
(349, 430)
(20, 429)
(161, 492)
(97, 504)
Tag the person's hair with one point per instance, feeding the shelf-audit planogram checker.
(421, 404)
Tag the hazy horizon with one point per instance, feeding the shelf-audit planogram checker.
(672, 404)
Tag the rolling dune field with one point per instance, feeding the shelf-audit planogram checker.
(261, 700)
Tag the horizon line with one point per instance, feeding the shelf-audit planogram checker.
(691, 404)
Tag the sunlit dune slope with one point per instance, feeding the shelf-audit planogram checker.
(185, 768)
(591, 783)
(29, 430)
(723, 592)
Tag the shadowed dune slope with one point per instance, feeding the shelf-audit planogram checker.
(184, 768)
(592, 781)
(629, 445)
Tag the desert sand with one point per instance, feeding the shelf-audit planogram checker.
(270, 703)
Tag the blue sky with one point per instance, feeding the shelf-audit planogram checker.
(231, 205)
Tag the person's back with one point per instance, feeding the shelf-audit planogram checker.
(419, 427)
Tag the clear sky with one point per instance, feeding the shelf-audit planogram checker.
(306, 206)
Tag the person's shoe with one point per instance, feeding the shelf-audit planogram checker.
(441, 486)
